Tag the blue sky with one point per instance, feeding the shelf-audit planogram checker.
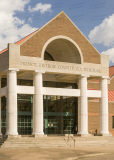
(95, 18)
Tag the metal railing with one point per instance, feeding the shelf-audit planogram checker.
(72, 139)
(68, 140)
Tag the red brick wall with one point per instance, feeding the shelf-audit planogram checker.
(111, 85)
(111, 113)
(93, 85)
(93, 116)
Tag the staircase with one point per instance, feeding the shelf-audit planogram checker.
(90, 141)
(2, 140)
(54, 141)
(32, 142)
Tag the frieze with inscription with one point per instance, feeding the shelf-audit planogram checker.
(60, 67)
(27, 63)
(70, 68)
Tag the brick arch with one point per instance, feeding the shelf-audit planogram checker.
(61, 37)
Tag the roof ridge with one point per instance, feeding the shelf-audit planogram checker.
(111, 66)
(26, 36)
(49, 22)
(2, 51)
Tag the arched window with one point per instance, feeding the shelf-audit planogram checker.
(62, 50)
(48, 57)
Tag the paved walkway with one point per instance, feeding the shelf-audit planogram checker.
(88, 153)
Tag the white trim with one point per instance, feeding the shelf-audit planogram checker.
(84, 75)
(82, 34)
(37, 71)
(25, 89)
(56, 91)
(61, 92)
(111, 77)
(11, 69)
(93, 94)
(105, 77)
(61, 37)
(32, 34)
(69, 92)
(41, 28)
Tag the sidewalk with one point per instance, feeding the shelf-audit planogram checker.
(88, 153)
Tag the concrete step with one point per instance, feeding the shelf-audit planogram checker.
(32, 142)
(36, 141)
(50, 142)
(15, 146)
(5, 144)
(20, 147)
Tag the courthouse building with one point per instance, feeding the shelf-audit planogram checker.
(49, 83)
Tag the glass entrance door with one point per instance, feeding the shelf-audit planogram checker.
(69, 124)
(25, 124)
(60, 115)
(59, 124)
(53, 125)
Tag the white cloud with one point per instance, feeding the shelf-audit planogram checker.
(10, 6)
(104, 33)
(30, 20)
(12, 28)
(109, 52)
(40, 7)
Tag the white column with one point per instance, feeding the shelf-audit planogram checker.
(103, 107)
(38, 105)
(0, 109)
(83, 106)
(11, 111)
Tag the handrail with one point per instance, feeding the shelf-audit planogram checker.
(71, 137)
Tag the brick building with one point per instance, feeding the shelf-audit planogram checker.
(93, 112)
(54, 82)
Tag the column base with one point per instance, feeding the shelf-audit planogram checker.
(83, 135)
(104, 135)
(81, 132)
(11, 134)
(39, 134)
(103, 132)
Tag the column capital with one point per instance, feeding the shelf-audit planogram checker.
(37, 71)
(104, 77)
(11, 69)
(83, 75)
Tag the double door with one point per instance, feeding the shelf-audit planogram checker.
(25, 124)
(59, 124)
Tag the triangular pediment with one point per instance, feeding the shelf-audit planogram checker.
(59, 25)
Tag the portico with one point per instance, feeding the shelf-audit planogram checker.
(37, 90)
(61, 59)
